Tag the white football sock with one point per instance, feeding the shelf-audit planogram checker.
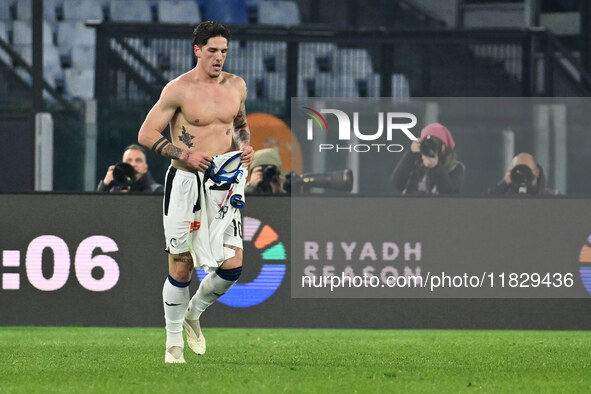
(175, 298)
(210, 289)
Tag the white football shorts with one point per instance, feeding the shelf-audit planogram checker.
(181, 195)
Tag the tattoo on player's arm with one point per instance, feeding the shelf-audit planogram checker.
(240, 119)
(241, 133)
(160, 144)
(241, 136)
(165, 148)
(172, 152)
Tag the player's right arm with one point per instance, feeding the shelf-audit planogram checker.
(150, 134)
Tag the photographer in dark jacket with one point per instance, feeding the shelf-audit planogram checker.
(265, 173)
(524, 176)
(131, 175)
(430, 166)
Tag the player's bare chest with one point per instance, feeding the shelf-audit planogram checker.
(205, 106)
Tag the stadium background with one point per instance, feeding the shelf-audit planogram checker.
(100, 78)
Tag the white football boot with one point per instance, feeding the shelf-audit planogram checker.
(174, 354)
(195, 338)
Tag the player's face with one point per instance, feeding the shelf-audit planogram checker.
(212, 55)
(137, 160)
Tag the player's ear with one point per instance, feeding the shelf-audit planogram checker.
(197, 51)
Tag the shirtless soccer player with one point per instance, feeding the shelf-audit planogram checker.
(205, 110)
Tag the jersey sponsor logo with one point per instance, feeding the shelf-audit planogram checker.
(194, 227)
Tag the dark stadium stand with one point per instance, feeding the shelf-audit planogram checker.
(282, 49)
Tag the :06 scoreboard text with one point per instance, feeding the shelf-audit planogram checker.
(93, 269)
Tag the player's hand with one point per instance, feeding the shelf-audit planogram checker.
(256, 177)
(415, 146)
(109, 175)
(199, 160)
(247, 154)
(430, 162)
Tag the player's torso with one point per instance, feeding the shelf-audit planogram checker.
(204, 122)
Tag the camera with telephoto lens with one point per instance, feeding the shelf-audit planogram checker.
(270, 173)
(336, 180)
(123, 176)
(430, 146)
(522, 177)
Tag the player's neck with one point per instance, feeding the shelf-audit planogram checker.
(203, 76)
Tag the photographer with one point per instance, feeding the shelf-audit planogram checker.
(131, 175)
(524, 176)
(430, 166)
(265, 173)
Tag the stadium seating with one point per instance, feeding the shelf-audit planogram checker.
(181, 59)
(22, 33)
(323, 68)
(244, 59)
(327, 85)
(226, 11)
(252, 8)
(73, 33)
(24, 9)
(130, 11)
(149, 53)
(354, 62)
(275, 86)
(400, 86)
(178, 11)
(373, 85)
(3, 31)
(315, 58)
(79, 83)
(5, 14)
(83, 57)
(274, 54)
(82, 10)
(279, 13)
(251, 83)
(52, 70)
(4, 36)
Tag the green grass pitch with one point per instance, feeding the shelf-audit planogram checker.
(123, 360)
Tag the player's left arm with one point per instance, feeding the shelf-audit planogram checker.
(241, 130)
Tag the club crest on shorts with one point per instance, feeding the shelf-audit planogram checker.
(222, 212)
(174, 242)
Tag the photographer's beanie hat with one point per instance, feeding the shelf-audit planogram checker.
(440, 131)
(266, 157)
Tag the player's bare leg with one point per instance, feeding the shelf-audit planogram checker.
(213, 286)
(175, 296)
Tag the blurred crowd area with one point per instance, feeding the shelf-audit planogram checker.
(105, 62)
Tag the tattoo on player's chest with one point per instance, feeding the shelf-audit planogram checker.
(186, 138)
(228, 131)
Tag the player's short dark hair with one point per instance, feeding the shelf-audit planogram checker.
(206, 30)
